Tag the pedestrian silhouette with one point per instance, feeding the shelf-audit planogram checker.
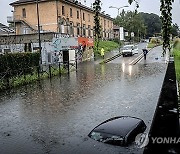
(145, 51)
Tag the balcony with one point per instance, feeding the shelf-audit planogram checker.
(10, 19)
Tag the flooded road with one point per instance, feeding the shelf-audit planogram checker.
(56, 116)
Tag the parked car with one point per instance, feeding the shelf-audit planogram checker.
(129, 50)
(118, 130)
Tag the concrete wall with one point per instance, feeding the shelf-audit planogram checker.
(52, 46)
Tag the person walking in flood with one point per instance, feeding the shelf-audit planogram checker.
(145, 51)
(102, 53)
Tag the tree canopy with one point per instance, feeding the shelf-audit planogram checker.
(152, 22)
(132, 22)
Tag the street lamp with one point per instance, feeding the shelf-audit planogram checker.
(118, 8)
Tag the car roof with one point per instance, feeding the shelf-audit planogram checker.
(130, 45)
(120, 126)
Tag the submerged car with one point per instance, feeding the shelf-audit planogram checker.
(118, 130)
(129, 50)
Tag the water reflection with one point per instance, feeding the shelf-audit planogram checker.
(103, 71)
(123, 67)
(129, 67)
(130, 70)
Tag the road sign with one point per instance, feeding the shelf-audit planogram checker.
(121, 30)
(132, 34)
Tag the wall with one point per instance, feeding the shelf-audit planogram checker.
(52, 46)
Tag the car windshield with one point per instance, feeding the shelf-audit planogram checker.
(127, 47)
(106, 138)
(135, 47)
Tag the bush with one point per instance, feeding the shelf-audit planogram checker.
(176, 44)
(176, 52)
(16, 62)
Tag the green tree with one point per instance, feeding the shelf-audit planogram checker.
(97, 27)
(132, 22)
(152, 22)
(174, 30)
(166, 18)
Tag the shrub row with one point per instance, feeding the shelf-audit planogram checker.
(16, 62)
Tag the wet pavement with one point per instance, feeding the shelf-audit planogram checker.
(55, 116)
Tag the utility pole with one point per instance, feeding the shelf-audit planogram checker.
(39, 33)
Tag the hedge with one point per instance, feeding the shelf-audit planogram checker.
(15, 62)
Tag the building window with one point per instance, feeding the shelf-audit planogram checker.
(63, 11)
(83, 16)
(24, 13)
(89, 17)
(104, 22)
(84, 29)
(108, 23)
(78, 28)
(71, 29)
(68, 26)
(77, 14)
(71, 12)
(89, 30)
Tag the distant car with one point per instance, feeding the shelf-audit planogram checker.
(136, 50)
(129, 50)
(118, 130)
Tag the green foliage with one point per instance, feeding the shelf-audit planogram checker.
(152, 23)
(174, 30)
(132, 22)
(16, 62)
(166, 18)
(97, 27)
(154, 42)
(176, 53)
(107, 45)
(176, 44)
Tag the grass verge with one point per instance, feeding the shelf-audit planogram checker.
(107, 45)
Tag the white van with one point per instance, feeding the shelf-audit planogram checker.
(129, 50)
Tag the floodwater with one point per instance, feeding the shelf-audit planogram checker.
(55, 116)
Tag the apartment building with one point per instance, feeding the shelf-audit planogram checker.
(62, 16)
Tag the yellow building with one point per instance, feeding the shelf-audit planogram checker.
(62, 16)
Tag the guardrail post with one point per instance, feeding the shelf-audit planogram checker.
(68, 67)
(50, 75)
(60, 69)
(76, 61)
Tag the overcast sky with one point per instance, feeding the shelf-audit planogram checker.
(150, 6)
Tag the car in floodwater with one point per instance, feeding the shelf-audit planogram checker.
(129, 50)
(118, 130)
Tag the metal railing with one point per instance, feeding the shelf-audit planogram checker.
(13, 78)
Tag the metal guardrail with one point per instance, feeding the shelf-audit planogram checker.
(10, 78)
(111, 58)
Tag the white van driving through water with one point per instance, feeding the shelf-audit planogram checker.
(129, 50)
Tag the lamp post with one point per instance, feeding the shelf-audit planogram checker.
(39, 35)
(118, 8)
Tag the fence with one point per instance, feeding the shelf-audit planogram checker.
(11, 78)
